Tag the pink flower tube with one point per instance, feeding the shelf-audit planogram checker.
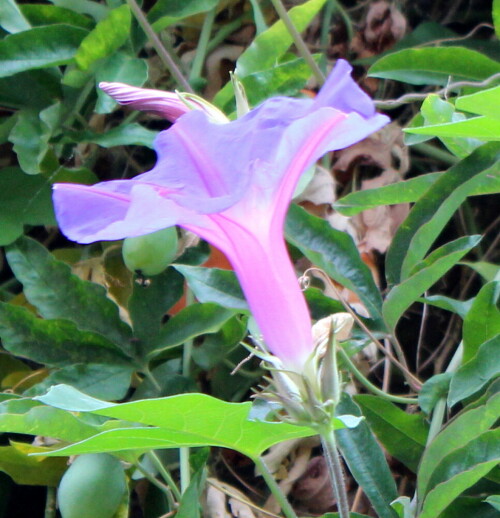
(231, 184)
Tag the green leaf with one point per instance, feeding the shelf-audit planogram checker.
(38, 14)
(122, 68)
(460, 307)
(434, 65)
(407, 191)
(433, 390)
(94, 9)
(167, 12)
(483, 128)
(482, 322)
(189, 506)
(192, 321)
(24, 200)
(269, 46)
(488, 271)
(53, 342)
(149, 303)
(335, 253)
(496, 17)
(477, 372)
(468, 506)
(460, 470)
(459, 432)
(283, 79)
(103, 380)
(57, 293)
(403, 435)
(11, 17)
(35, 89)
(494, 500)
(424, 275)
(24, 416)
(32, 471)
(216, 346)
(131, 134)
(107, 37)
(367, 462)
(31, 136)
(40, 47)
(436, 111)
(182, 420)
(214, 285)
(432, 212)
(485, 102)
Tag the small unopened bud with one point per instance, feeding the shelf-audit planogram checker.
(242, 106)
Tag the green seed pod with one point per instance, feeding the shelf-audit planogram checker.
(93, 486)
(152, 253)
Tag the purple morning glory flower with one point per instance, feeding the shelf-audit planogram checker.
(231, 184)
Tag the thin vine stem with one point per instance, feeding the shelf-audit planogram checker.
(335, 471)
(298, 40)
(201, 48)
(165, 57)
(153, 457)
(274, 488)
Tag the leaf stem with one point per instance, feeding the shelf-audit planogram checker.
(162, 487)
(185, 469)
(158, 45)
(201, 49)
(153, 457)
(274, 488)
(50, 503)
(335, 470)
(298, 40)
(370, 386)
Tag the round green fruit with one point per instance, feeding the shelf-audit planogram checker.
(152, 253)
(92, 487)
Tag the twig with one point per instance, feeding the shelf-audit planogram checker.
(158, 45)
(413, 97)
(299, 42)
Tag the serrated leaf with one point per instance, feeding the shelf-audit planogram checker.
(427, 273)
(192, 321)
(477, 372)
(182, 420)
(106, 38)
(335, 253)
(367, 462)
(434, 65)
(464, 428)
(40, 47)
(214, 285)
(482, 321)
(57, 293)
(403, 435)
(460, 470)
(432, 212)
